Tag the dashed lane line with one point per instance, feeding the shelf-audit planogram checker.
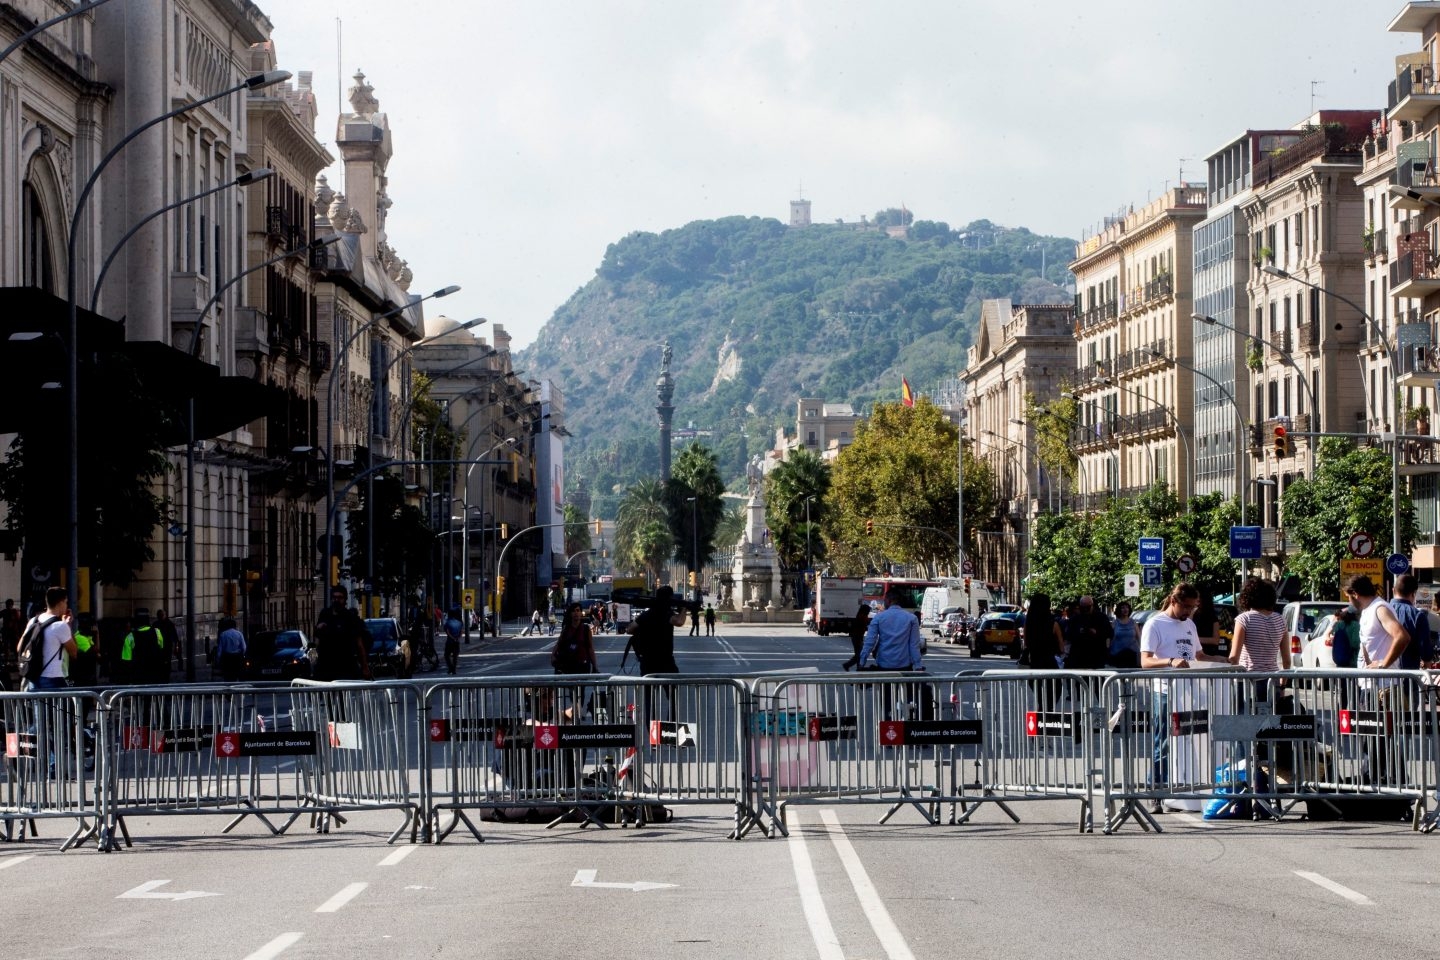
(340, 899)
(275, 947)
(397, 856)
(12, 860)
(1354, 897)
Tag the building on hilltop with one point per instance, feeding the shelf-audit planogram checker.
(824, 429)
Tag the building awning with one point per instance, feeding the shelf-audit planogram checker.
(33, 391)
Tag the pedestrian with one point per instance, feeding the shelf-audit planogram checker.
(892, 638)
(1345, 639)
(170, 637)
(858, 625)
(341, 641)
(1088, 634)
(1044, 643)
(695, 620)
(1260, 635)
(574, 651)
(1382, 640)
(57, 641)
(1207, 623)
(536, 619)
(230, 650)
(11, 626)
(652, 635)
(84, 668)
(709, 620)
(1419, 652)
(453, 629)
(1169, 641)
(1124, 638)
(144, 650)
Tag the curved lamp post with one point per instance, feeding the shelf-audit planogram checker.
(39, 28)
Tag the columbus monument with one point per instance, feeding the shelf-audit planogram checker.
(664, 392)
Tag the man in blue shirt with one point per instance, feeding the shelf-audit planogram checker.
(893, 638)
(1416, 622)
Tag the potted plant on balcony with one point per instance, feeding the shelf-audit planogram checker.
(1369, 238)
(1254, 356)
(1420, 416)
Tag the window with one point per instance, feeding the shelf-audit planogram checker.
(36, 243)
(810, 438)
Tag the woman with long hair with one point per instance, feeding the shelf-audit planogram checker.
(574, 649)
(1045, 645)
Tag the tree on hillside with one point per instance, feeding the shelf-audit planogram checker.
(1350, 491)
(692, 525)
(900, 473)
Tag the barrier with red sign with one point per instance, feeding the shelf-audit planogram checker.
(50, 763)
(583, 749)
(1264, 743)
(262, 751)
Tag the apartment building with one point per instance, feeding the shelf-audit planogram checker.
(1401, 184)
(1019, 352)
(1132, 377)
(824, 428)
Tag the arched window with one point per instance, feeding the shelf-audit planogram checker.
(37, 267)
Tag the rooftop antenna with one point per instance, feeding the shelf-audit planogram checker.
(1182, 170)
(1313, 85)
(339, 72)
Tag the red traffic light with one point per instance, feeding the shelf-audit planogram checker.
(1279, 433)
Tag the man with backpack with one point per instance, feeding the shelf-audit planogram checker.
(1421, 648)
(48, 637)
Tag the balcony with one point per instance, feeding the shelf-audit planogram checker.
(1307, 338)
(1418, 366)
(1099, 314)
(1413, 273)
(319, 357)
(1377, 244)
(1278, 344)
(1413, 94)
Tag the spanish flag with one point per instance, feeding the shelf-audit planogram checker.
(907, 396)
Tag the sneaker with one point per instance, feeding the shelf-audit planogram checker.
(1157, 806)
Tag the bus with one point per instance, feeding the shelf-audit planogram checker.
(912, 591)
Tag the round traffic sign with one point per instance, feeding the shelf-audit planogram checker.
(1397, 564)
(968, 566)
(1361, 544)
(1185, 563)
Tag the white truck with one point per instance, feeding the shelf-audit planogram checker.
(836, 601)
(968, 595)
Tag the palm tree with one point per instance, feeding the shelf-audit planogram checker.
(642, 506)
(794, 494)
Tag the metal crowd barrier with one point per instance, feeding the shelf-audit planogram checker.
(258, 751)
(1267, 742)
(925, 741)
(50, 759)
(585, 749)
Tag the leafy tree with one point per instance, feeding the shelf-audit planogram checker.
(403, 538)
(731, 525)
(901, 474)
(577, 530)
(804, 477)
(1350, 491)
(432, 437)
(642, 529)
(1052, 423)
(694, 474)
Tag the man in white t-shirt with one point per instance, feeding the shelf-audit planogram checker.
(1169, 641)
(59, 641)
(1382, 639)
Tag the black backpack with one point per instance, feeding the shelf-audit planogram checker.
(32, 660)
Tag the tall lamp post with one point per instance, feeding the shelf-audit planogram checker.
(1379, 332)
(694, 544)
(39, 28)
(72, 384)
(194, 351)
(330, 414)
(809, 562)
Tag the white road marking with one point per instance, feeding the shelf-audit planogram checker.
(1190, 818)
(10, 861)
(816, 916)
(147, 891)
(1356, 898)
(889, 934)
(340, 899)
(275, 947)
(397, 856)
(586, 878)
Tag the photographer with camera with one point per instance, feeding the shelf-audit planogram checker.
(652, 635)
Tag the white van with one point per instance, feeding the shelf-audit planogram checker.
(972, 601)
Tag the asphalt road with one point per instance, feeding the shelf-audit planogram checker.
(841, 885)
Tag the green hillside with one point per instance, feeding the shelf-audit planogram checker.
(757, 315)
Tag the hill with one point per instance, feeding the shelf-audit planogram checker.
(758, 314)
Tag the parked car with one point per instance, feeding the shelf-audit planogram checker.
(1318, 652)
(1301, 619)
(387, 653)
(277, 655)
(996, 633)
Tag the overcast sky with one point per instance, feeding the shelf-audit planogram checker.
(528, 135)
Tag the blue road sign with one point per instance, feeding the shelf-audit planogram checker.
(1152, 551)
(1397, 564)
(1244, 543)
(1151, 576)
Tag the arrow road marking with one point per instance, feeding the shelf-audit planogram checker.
(586, 878)
(146, 891)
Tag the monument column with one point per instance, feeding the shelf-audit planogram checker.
(664, 391)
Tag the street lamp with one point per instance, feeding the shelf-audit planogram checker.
(330, 409)
(244, 180)
(39, 28)
(1050, 493)
(1379, 332)
(694, 542)
(256, 82)
(1284, 355)
(190, 444)
(1179, 432)
(1071, 395)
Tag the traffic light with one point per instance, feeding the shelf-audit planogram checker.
(1280, 441)
(869, 527)
(690, 578)
(597, 527)
(504, 531)
(500, 585)
(334, 569)
(967, 584)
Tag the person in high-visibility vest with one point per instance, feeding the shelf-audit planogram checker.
(83, 667)
(142, 655)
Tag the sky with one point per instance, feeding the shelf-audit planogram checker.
(529, 135)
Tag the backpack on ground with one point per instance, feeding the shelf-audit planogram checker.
(32, 660)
